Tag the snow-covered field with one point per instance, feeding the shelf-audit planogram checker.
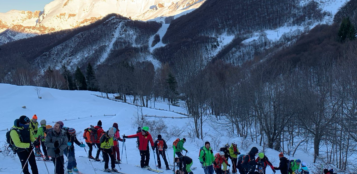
(79, 109)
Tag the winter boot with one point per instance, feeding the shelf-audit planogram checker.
(69, 171)
(91, 157)
(97, 159)
(158, 167)
(75, 169)
(107, 170)
(167, 168)
(114, 170)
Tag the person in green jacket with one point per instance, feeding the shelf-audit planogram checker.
(180, 148)
(41, 138)
(233, 153)
(207, 158)
(34, 124)
(24, 141)
(295, 166)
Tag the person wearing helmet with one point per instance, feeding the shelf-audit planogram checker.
(144, 139)
(219, 161)
(264, 161)
(24, 141)
(69, 151)
(294, 166)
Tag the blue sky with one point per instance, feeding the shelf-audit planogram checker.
(27, 5)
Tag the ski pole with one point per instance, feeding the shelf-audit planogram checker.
(90, 161)
(126, 155)
(154, 158)
(168, 157)
(26, 161)
(45, 163)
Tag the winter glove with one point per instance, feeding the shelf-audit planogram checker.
(123, 140)
(57, 151)
(186, 151)
(56, 144)
(82, 145)
(274, 170)
(125, 136)
(236, 153)
(229, 165)
(69, 144)
(85, 138)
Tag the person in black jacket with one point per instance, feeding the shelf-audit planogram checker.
(69, 151)
(184, 164)
(225, 150)
(283, 165)
(239, 164)
(161, 146)
(249, 162)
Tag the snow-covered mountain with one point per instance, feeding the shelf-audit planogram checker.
(68, 14)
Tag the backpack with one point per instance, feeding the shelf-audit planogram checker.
(244, 157)
(104, 138)
(160, 145)
(289, 166)
(46, 129)
(94, 134)
(204, 154)
(9, 140)
(176, 142)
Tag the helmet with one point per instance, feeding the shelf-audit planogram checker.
(298, 161)
(145, 128)
(71, 131)
(261, 155)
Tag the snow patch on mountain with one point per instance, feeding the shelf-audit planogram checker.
(162, 31)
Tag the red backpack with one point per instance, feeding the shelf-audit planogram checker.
(160, 145)
(176, 142)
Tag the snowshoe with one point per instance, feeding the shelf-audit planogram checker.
(115, 170)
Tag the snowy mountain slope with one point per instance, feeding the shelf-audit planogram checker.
(79, 109)
(68, 14)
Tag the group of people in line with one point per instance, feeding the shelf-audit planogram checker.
(58, 141)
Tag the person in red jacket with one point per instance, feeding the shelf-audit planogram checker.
(218, 162)
(96, 140)
(265, 161)
(144, 138)
(116, 144)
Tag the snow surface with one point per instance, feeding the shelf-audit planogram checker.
(79, 109)
(162, 31)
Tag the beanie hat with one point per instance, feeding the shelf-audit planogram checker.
(184, 139)
(43, 122)
(60, 123)
(111, 132)
(281, 154)
(99, 123)
(207, 143)
(261, 155)
(298, 161)
(159, 136)
(226, 146)
(71, 131)
(116, 126)
(23, 120)
(34, 117)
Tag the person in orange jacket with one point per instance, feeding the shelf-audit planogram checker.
(87, 137)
